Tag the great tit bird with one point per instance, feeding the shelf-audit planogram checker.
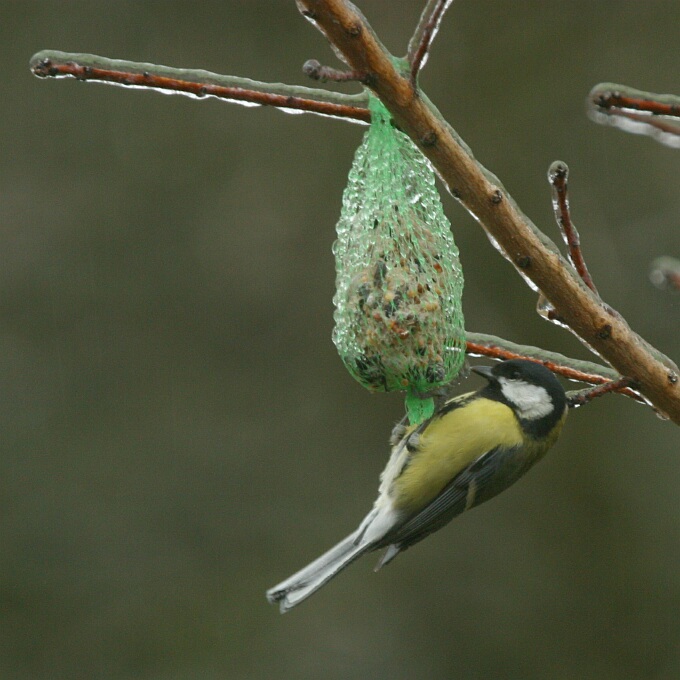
(475, 446)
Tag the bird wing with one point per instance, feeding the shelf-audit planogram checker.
(474, 485)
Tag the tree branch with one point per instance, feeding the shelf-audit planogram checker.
(532, 253)
(665, 273)
(656, 115)
(199, 84)
(426, 30)
(482, 344)
(557, 176)
(582, 397)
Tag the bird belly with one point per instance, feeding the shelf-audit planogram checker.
(448, 445)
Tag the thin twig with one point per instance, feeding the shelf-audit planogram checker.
(665, 273)
(581, 397)
(199, 84)
(479, 344)
(558, 175)
(608, 95)
(316, 71)
(500, 345)
(532, 253)
(426, 30)
(641, 123)
(655, 115)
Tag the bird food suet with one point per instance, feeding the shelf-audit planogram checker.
(398, 318)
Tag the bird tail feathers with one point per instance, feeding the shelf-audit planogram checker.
(308, 580)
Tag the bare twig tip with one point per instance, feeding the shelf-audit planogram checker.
(311, 69)
(314, 70)
(585, 396)
(665, 273)
(557, 171)
(43, 68)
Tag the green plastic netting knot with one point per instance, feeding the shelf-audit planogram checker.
(398, 317)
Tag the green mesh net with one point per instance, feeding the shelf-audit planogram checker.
(398, 318)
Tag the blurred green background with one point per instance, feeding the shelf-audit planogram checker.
(178, 432)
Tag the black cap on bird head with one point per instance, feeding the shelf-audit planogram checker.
(528, 388)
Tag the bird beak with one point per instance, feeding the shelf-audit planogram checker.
(485, 372)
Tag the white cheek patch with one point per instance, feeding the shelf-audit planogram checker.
(531, 401)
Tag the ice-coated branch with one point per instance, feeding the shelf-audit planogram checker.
(426, 30)
(578, 398)
(656, 115)
(199, 84)
(482, 194)
(316, 71)
(482, 344)
(558, 174)
(664, 273)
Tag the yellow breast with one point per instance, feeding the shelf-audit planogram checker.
(448, 445)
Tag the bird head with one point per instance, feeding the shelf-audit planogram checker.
(527, 387)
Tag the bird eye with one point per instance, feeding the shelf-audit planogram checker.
(514, 375)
